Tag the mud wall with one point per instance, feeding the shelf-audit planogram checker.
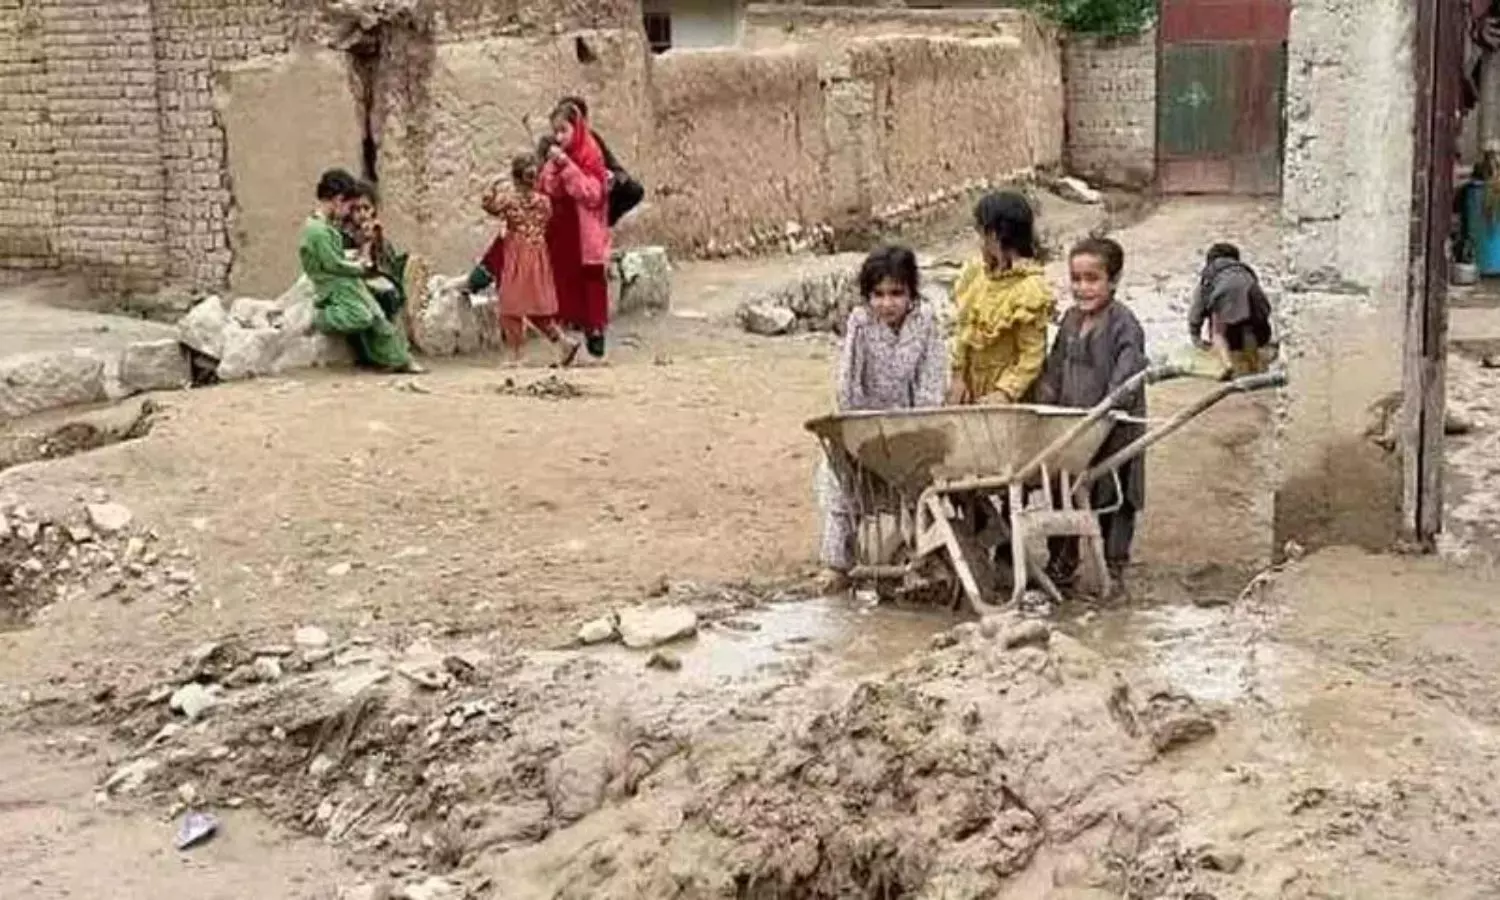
(1111, 103)
(1346, 205)
(171, 144)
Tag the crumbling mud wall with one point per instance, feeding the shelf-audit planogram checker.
(1111, 107)
(1346, 204)
(171, 145)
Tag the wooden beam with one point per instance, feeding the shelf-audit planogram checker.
(1439, 43)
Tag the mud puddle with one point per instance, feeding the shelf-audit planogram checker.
(850, 639)
(1210, 654)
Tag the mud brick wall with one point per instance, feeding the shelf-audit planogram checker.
(738, 146)
(953, 111)
(28, 208)
(1111, 104)
(105, 125)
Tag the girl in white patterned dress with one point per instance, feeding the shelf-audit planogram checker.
(894, 357)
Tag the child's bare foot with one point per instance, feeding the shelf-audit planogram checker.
(411, 367)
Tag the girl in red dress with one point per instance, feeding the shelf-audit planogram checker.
(527, 292)
(578, 240)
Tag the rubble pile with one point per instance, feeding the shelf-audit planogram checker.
(251, 338)
(1009, 752)
(93, 553)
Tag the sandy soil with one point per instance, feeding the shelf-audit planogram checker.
(447, 536)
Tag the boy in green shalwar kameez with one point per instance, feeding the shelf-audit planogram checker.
(344, 304)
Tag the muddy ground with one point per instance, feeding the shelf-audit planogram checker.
(340, 619)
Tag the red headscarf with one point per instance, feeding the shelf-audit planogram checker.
(583, 149)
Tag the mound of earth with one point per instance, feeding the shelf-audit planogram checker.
(956, 777)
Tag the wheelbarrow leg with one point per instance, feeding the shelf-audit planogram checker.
(975, 574)
(1020, 578)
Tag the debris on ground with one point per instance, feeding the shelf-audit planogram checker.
(196, 828)
(90, 554)
(1075, 190)
(767, 321)
(551, 387)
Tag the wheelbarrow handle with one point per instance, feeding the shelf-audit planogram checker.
(1244, 385)
(1152, 375)
(1266, 380)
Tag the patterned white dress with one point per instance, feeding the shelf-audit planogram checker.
(879, 368)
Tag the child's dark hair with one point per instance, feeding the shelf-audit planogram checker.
(523, 167)
(578, 103)
(1223, 251)
(894, 262)
(1106, 250)
(366, 190)
(335, 184)
(569, 109)
(1008, 217)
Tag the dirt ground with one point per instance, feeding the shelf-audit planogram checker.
(371, 586)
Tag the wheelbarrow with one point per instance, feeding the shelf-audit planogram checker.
(938, 491)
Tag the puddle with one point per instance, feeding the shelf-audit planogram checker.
(849, 640)
(1206, 653)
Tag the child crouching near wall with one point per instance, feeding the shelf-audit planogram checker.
(526, 290)
(893, 357)
(1099, 346)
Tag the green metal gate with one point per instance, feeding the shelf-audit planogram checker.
(1221, 81)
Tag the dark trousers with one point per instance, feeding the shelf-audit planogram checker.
(1118, 530)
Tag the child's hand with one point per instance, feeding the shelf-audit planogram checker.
(555, 153)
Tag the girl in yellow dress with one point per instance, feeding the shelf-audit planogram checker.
(1004, 306)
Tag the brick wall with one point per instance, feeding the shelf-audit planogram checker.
(108, 185)
(1111, 103)
(27, 206)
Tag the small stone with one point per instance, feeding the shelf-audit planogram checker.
(433, 888)
(310, 636)
(339, 570)
(766, 320)
(1456, 423)
(1216, 860)
(80, 534)
(642, 629)
(597, 631)
(193, 700)
(187, 792)
(1076, 190)
(1026, 634)
(267, 668)
(130, 777)
(109, 518)
(381, 891)
(667, 662)
(321, 765)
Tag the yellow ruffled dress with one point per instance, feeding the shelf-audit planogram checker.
(1000, 341)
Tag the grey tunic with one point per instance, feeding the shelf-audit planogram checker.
(1229, 289)
(1081, 371)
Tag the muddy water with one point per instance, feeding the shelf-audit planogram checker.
(1210, 654)
(850, 639)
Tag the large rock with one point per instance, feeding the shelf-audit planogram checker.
(203, 327)
(302, 346)
(248, 352)
(640, 281)
(33, 382)
(252, 313)
(767, 320)
(154, 366)
(449, 323)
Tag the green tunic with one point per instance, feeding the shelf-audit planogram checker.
(344, 305)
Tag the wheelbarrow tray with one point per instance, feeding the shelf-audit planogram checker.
(911, 449)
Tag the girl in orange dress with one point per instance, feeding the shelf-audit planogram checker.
(527, 293)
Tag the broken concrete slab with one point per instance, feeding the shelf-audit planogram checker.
(202, 328)
(36, 382)
(248, 352)
(450, 324)
(158, 365)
